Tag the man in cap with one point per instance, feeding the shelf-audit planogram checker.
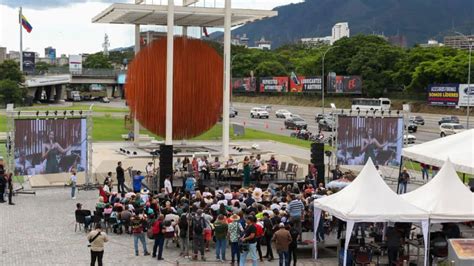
(282, 239)
(198, 226)
(234, 231)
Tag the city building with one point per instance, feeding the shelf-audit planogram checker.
(50, 52)
(398, 40)
(339, 31)
(431, 43)
(458, 41)
(3, 54)
(263, 44)
(14, 55)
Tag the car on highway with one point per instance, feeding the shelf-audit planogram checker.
(282, 113)
(318, 117)
(104, 100)
(258, 112)
(326, 124)
(448, 119)
(409, 139)
(233, 112)
(412, 128)
(268, 108)
(418, 120)
(447, 129)
(295, 122)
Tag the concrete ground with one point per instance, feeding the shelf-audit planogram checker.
(39, 230)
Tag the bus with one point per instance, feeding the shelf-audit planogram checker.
(364, 104)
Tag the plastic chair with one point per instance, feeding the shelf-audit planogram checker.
(80, 220)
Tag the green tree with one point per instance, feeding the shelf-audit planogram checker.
(42, 66)
(270, 69)
(98, 60)
(11, 92)
(10, 70)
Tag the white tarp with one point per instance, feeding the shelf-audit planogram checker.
(368, 199)
(459, 148)
(445, 197)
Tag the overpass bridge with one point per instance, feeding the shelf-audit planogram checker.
(51, 85)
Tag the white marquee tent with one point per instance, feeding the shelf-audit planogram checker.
(445, 197)
(368, 199)
(459, 148)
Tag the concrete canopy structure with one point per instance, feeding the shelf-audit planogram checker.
(170, 15)
(183, 15)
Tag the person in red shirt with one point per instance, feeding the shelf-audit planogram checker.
(259, 236)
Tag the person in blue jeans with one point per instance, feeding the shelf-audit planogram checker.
(403, 181)
(159, 237)
(234, 231)
(282, 239)
(220, 232)
(138, 234)
(249, 239)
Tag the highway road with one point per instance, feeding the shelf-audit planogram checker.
(427, 132)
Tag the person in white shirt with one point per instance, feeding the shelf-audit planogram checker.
(150, 171)
(168, 186)
(73, 185)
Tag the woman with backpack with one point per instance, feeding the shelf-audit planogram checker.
(158, 236)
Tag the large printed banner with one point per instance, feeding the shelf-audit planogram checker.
(28, 62)
(274, 84)
(344, 84)
(361, 138)
(443, 94)
(50, 146)
(305, 84)
(244, 84)
(466, 95)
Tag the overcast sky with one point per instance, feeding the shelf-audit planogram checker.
(66, 24)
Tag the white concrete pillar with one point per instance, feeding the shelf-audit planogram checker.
(136, 124)
(227, 69)
(169, 74)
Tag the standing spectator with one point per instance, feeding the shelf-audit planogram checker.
(120, 179)
(235, 229)
(296, 212)
(336, 173)
(168, 186)
(220, 231)
(312, 176)
(2, 184)
(434, 170)
(282, 239)
(138, 234)
(249, 242)
(183, 226)
(158, 236)
(403, 181)
(150, 172)
(73, 184)
(259, 236)
(293, 245)
(10, 188)
(137, 182)
(189, 185)
(268, 232)
(199, 223)
(424, 171)
(108, 181)
(97, 239)
(394, 241)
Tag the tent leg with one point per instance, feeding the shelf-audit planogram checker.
(399, 172)
(317, 217)
(349, 228)
(425, 225)
(464, 178)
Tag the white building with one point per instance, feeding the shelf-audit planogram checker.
(339, 31)
(316, 40)
(431, 43)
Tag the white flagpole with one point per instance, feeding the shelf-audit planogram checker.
(21, 41)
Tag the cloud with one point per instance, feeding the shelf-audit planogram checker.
(45, 4)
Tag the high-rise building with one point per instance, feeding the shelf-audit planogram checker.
(339, 31)
(50, 52)
(458, 41)
(3, 54)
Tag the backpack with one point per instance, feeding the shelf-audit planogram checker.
(156, 227)
(259, 232)
(198, 226)
(189, 185)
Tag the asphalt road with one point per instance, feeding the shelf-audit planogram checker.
(427, 132)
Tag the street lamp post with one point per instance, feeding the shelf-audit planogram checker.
(468, 78)
(322, 77)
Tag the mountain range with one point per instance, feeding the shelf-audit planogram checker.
(417, 20)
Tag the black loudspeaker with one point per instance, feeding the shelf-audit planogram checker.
(166, 162)
(321, 171)
(317, 153)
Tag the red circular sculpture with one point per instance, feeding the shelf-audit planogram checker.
(197, 87)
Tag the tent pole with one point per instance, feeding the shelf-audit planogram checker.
(399, 172)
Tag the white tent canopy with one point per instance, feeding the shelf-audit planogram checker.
(459, 148)
(368, 199)
(445, 197)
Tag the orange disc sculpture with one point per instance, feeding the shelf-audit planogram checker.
(197, 87)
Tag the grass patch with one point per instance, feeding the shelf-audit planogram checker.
(75, 106)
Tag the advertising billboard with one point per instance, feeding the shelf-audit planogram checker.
(244, 84)
(28, 62)
(464, 96)
(443, 94)
(305, 84)
(50, 146)
(274, 84)
(344, 84)
(75, 63)
(361, 138)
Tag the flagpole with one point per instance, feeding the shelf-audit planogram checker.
(21, 42)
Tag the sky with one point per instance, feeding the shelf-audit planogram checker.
(66, 24)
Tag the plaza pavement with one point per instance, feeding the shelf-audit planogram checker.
(39, 230)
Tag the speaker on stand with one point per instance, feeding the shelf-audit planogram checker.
(166, 163)
(317, 159)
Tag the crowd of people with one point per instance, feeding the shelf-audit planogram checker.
(6, 186)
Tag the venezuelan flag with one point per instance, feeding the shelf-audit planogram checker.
(25, 24)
